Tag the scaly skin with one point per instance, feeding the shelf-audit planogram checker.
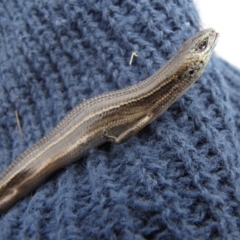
(114, 117)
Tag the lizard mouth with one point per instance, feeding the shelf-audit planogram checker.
(216, 37)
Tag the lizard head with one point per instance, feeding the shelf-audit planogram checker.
(197, 50)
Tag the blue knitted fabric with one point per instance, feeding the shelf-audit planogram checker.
(177, 179)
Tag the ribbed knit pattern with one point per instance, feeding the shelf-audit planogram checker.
(177, 179)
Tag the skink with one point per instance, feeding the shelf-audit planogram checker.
(112, 117)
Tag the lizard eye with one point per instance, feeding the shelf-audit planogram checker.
(202, 45)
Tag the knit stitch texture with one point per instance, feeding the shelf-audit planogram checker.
(177, 179)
